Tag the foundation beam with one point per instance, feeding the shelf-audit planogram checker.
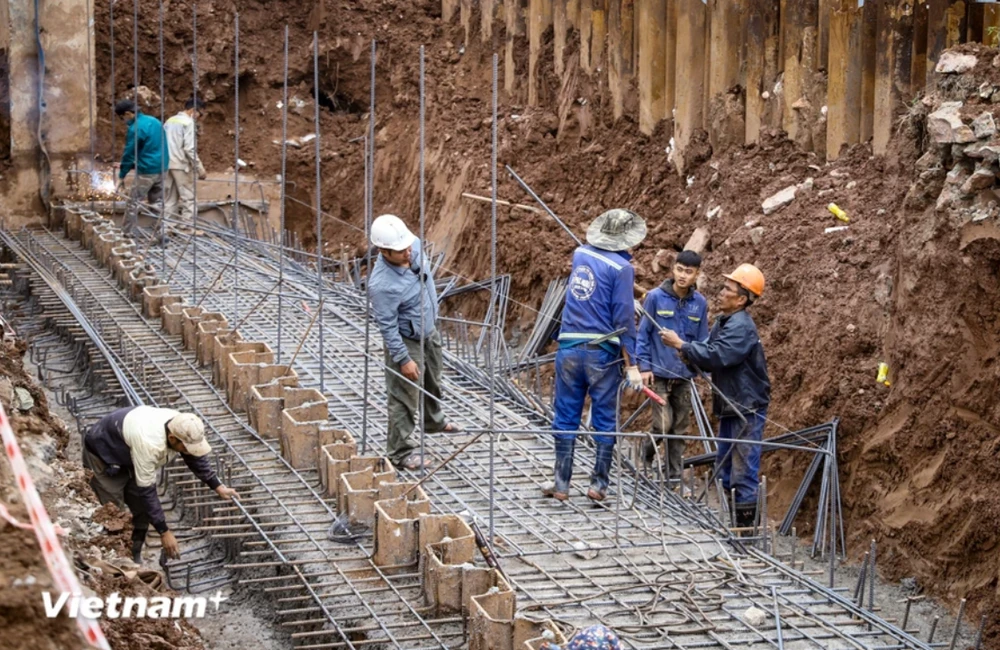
(690, 94)
(845, 71)
(652, 58)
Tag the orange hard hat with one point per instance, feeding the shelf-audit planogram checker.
(749, 277)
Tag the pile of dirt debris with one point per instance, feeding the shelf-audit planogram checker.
(911, 280)
(96, 540)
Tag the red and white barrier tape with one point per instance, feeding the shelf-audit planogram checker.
(62, 573)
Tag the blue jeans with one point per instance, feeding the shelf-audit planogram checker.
(581, 371)
(739, 471)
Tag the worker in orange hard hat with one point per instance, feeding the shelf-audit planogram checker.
(734, 355)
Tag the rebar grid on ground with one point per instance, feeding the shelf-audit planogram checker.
(706, 586)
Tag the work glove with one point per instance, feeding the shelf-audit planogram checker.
(633, 378)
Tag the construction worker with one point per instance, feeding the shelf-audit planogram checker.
(404, 303)
(125, 448)
(678, 306)
(598, 330)
(178, 202)
(735, 357)
(146, 151)
(595, 637)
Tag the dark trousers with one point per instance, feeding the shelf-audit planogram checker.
(739, 470)
(671, 419)
(121, 490)
(404, 397)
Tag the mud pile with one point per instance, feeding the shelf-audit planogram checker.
(912, 281)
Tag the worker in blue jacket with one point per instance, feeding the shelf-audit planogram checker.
(145, 151)
(598, 330)
(678, 306)
(735, 357)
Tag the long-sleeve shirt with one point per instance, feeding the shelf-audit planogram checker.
(180, 142)
(734, 355)
(134, 439)
(396, 302)
(152, 155)
(688, 316)
(599, 299)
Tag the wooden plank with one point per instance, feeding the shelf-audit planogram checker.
(884, 72)
(511, 10)
(974, 23)
(772, 61)
(584, 28)
(918, 61)
(536, 25)
(628, 46)
(448, 8)
(598, 31)
(869, 46)
(692, 26)
(466, 16)
(946, 28)
(573, 12)
(487, 14)
(903, 57)
(615, 63)
(669, 58)
(991, 25)
(754, 39)
(560, 28)
(826, 9)
(652, 44)
(798, 26)
(844, 81)
(726, 18)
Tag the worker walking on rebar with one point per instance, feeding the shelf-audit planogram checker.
(125, 449)
(145, 151)
(675, 305)
(735, 357)
(404, 304)
(178, 190)
(598, 330)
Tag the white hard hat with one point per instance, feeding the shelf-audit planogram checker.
(389, 231)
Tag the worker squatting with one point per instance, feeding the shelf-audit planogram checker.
(601, 352)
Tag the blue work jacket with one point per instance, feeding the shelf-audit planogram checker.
(399, 304)
(599, 299)
(153, 155)
(688, 316)
(734, 355)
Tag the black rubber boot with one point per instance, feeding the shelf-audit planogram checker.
(746, 515)
(562, 469)
(599, 478)
(137, 550)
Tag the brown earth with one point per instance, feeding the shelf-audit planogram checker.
(23, 573)
(901, 285)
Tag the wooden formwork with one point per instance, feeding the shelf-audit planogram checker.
(777, 64)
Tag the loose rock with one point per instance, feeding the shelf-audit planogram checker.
(982, 178)
(780, 200)
(755, 617)
(945, 125)
(984, 126)
(955, 63)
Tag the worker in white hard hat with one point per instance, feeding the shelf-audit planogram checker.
(125, 449)
(404, 303)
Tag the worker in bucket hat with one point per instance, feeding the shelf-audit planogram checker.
(598, 333)
(125, 449)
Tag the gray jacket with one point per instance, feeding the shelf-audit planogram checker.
(396, 302)
(180, 142)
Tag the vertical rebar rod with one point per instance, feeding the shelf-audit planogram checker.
(934, 624)
(493, 295)
(872, 576)
(369, 212)
(284, 184)
(90, 106)
(319, 211)
(111, 20)
(134, 203)
(236, 165)
(163, 116)
(958, 625)
(194, 184)
(422, 405)
(979, 633)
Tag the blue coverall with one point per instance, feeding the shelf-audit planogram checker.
(735, 357)
(598, 302)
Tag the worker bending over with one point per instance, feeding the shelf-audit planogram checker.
(678, 306)
(126, 448)
(595, 637)
(178, 201)
(735, 357)
(404, 303)
(598, 329)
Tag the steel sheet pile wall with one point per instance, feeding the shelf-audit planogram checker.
(829, 73)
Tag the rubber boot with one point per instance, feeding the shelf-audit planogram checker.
(602, 468)
(138, 539)
(562, 469)
(746, 515)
